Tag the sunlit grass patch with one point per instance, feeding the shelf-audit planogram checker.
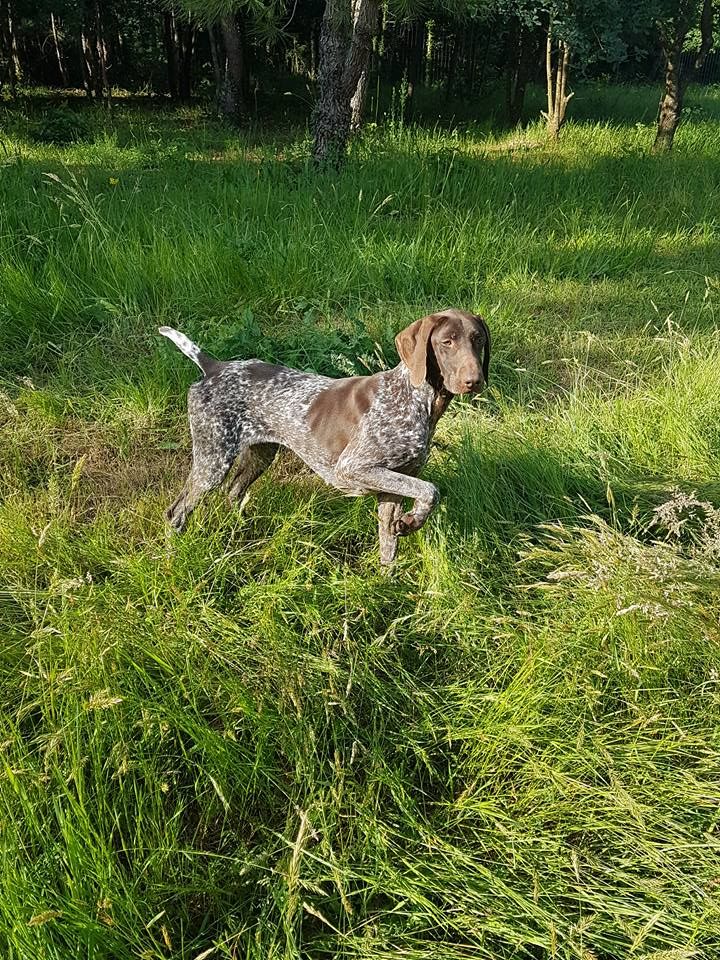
(247, 741)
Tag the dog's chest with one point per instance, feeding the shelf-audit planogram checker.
(400, 430)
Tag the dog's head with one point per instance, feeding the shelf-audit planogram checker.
(449, 349)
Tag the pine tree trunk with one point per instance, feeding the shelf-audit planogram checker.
(357, 104)
(58, 51)
(14, 68)
(86, 65)
(345, 48)
(518, 71)
(217, 70)
(232, 102)
(169, 37)
(187, 47)
(331, 120)
(101, 54)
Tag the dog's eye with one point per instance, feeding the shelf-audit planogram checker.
(448, 343)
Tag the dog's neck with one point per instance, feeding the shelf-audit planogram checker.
(441, 395)
(433, 390)
(440, 402)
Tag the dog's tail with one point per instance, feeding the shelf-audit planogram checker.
(207, 364)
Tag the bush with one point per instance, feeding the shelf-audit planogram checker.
(62, 125)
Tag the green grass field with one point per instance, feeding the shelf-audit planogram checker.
(246, 742)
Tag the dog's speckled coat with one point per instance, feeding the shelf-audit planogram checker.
(360, 434)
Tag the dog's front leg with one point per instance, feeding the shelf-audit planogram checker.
(384, 481)
(389, 512)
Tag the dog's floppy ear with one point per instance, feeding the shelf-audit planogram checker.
(486, 349)
(412, 345)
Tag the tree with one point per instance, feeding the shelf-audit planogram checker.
(577, 33)
(557, 63)
(226, 21)
(179, 38)
(675, 19)
(521, 49)
(345, 44)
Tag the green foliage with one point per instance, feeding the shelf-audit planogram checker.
(62, 125)
(265, 16)
(246, 742)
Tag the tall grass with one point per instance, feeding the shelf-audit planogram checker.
(246, 742)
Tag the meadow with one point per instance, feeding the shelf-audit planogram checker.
(248, 742)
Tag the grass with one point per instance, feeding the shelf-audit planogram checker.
(246, 742)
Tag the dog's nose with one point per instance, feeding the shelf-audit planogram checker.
(472, 383)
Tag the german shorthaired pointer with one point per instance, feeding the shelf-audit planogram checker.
(360, 434)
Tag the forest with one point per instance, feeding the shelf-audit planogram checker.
(236, 52)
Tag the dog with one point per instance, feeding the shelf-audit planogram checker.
(362, 435)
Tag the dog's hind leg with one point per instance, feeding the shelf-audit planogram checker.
(252, 462)
(215, 446)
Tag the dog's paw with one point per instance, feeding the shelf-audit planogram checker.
(408, 523)
(175, 520)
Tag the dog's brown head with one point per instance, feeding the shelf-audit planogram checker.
(450, 350)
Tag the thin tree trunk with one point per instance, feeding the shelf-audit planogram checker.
(58, 51)
(428, 53)
(549, 75)
(357, 104)
(102, 57)
(450, 78)
(677, 79)
(520, 44)
(556, 74)
(365, 23)
(169, 37)
(86, 65)
(232, 103)
(14, 68)
(345, 48)
(217, 70)
(97, 52)
(187, 46)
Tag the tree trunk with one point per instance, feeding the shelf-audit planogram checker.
(187, 47)
(357, 104)
(315, 49)
(86, 65)
(671, 101)
(345, 46)
(331, 119)
(58, 51)
(217, 70)
(450, 78)
(170, 39)
(14, 70)
(103, 84)
(677, 79)
(556, 73)
(518, 71)
(232, 102)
